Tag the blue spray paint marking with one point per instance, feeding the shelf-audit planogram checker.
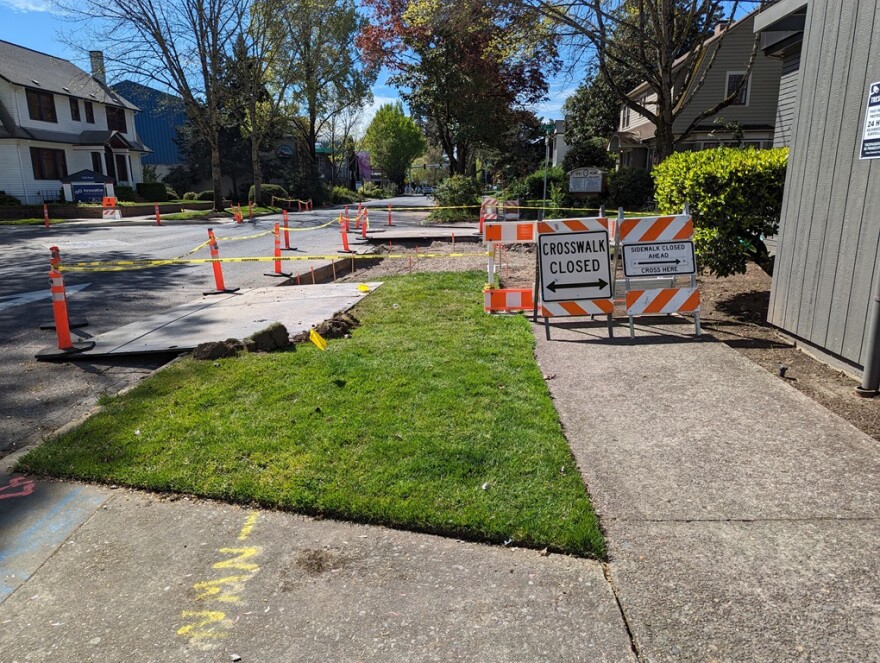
(24, 554)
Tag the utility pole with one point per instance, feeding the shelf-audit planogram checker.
(549, 127)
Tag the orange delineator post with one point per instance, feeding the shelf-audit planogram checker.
(389, 215)
(277, 234)
(286, 230)
(311, 205)
(299, 205)
(218, 268)
(365, 223)
(46, 214)
(251, 211)
(158, 218)
(482, 218)
(344, 230)
(357, 222)
(346, 216)
(59, 300)
(66, 345)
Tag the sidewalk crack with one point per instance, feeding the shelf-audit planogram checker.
(606, 571)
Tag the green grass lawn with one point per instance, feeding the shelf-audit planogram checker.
(210, 214)
(433, 416)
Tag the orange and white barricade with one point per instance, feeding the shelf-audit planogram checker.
(510, 210)
(659, 242)
(575, 242)
(507, 299)
(513, 232)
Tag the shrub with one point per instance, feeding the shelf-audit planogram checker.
(631, 189)
(372, 190)
(340, 195)
(735, 197)
(170, 193)
(124, 193)
(531, 187)
(459, 192)
(153, 192)
(6, 199)
(267, 192)
(190, 195)
(205, 195)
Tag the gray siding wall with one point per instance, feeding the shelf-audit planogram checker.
(736, 48)
(788, 95)
(829, 239)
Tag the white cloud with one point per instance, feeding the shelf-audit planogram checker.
(42, 6)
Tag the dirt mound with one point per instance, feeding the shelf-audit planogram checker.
(339, 326)
(274, 337)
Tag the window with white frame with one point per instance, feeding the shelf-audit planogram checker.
(624, 117)
(733, 80)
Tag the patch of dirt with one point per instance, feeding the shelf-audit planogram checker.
(315, 562)
(734, 311)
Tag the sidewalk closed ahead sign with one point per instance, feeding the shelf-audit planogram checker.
(574, 266)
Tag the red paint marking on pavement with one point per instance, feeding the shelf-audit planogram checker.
(25, 487)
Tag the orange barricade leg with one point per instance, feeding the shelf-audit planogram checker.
(277, 261)
(66, 345)
(220, 286)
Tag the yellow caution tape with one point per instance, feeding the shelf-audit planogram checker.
(122, 265)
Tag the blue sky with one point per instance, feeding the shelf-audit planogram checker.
(31, 23)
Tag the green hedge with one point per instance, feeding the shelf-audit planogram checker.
(735, 196)
(153, 192)
(532, 185)
(267, 192)
(124, 193)
(630, 188)
(205, 195)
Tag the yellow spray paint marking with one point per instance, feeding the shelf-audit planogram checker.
(236, 562)
(203, 618)
(225, 590)
(248, 526)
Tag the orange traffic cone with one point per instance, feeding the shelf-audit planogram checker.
(277, 272)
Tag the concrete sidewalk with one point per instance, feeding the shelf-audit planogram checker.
(741, 516)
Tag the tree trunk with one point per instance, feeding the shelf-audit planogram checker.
(665, 139)
(215, 170)
(255, 151)
(255, 166)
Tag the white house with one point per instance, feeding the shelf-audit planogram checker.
(55, 119)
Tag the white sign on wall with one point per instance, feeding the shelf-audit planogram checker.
(574, 266)
(871, 137)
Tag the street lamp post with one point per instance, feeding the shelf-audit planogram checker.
(550, 126)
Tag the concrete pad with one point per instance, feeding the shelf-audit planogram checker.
(750, 591)
(154, 580)
(669, 427)
(391, 233)
(36, 517)
(236, 315)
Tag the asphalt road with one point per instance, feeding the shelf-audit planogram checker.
(36, 398)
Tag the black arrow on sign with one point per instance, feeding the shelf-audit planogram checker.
(661, 262)
(554, 286)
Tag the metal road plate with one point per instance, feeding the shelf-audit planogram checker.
(574, 266)
(659, 259)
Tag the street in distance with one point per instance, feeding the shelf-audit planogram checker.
(659, 259)
(574, 266)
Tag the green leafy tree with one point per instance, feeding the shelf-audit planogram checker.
(327, 76)
(463, 68)
(393, 141)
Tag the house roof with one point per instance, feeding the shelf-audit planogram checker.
(23, 66)
(643, 86)
(85, 138)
